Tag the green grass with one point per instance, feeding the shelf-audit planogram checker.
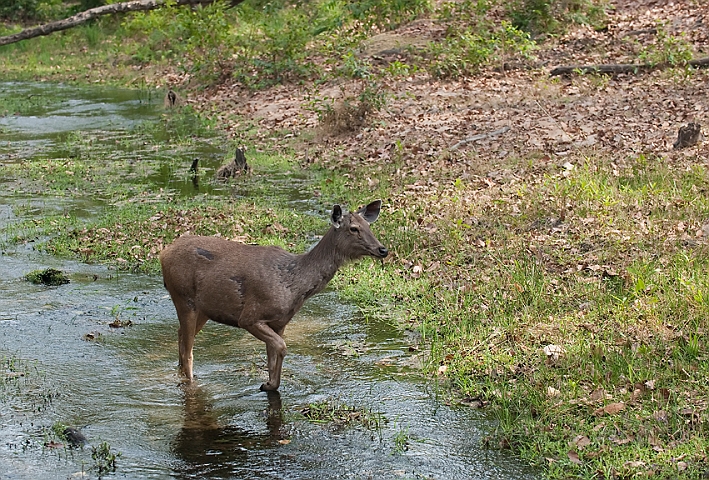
(603, 261)
(131, 236)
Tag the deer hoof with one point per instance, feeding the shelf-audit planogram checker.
(267, 387)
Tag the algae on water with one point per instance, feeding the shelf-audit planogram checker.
(48, 276)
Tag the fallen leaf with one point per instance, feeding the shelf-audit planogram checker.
(284, 442)
(613, 408)
(660, 416)
(275, 228)
(581, 441)
(622, 441)
(554, 352)
(574, 457)
(598, 394)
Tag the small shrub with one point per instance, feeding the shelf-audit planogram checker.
(30, 10)
(104, 459)
(466, 49)
(553, 16)
(198, 38)
(355, 67)
(388, 14)
(668, 49)
(352, 112)
(400, 69)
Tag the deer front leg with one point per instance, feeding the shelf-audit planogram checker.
(275, 350)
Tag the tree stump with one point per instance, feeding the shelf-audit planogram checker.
(171, 99)
(689, 135)
(234, 168)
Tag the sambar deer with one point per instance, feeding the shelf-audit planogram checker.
(258, 288)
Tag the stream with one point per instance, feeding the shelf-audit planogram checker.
(64, 364)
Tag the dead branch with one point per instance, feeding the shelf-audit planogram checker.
(480, 136)
(615, 69)
(85, 16)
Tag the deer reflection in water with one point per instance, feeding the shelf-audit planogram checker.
(202, 439)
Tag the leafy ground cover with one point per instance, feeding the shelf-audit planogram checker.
(546, 238)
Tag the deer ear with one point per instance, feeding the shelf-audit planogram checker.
(336, 216)
(371, 212)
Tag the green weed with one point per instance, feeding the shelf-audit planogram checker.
(400, 69)
(337, 415)
(48, 276)
(401, 441)
(104, 459)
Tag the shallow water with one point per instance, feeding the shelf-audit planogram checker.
(120, 385)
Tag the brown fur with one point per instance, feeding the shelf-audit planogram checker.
(258, 288)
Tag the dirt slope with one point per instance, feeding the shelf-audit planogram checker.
(542, 118)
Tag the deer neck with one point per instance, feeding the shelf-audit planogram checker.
(317, 267)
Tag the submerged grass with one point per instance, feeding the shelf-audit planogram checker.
(23, 387)
(338, 415)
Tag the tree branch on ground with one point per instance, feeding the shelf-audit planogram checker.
(480, 136)
(621, 68)
(85, 16)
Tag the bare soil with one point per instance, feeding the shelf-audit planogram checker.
(549, 118)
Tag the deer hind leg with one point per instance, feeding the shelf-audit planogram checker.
(275, 349)
(191, 322)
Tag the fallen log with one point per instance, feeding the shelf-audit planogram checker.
(615, 69)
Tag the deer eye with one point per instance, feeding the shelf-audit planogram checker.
(354, 229)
